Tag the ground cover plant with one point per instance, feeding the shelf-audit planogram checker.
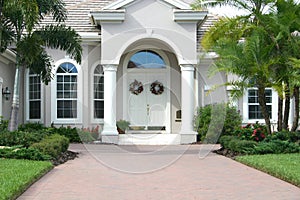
(283, 166)
(17, 175)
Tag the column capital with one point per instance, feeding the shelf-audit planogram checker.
(110, 67)
(187, 67)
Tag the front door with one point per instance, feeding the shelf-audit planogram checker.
(147, 100)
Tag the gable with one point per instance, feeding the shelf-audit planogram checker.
(123, 3)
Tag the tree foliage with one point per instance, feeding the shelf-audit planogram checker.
(258, 47)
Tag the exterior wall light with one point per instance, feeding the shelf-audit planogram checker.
(6, 93)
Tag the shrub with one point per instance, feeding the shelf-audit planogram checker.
(18, 152)
(85, 136)
(242, 146)
(276, 147)
(3, 124)
(256, 132)
(213, 120)
(52, 145)
(31, 127)
(225, 139)
(20, 138)
(68, 132)
(285, 136)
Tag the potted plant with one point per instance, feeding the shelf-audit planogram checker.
(122, 126)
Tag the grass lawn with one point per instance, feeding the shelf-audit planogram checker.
(283, 166)
(17, 175)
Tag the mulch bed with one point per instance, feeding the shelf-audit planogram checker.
(64, 157)
(227, 153)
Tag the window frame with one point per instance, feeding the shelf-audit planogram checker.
(92, 107)
(54, 117)
(273, 104)
(27, 98)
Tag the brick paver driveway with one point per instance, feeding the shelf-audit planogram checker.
(109, 172)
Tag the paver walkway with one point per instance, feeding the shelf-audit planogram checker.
(109, 172)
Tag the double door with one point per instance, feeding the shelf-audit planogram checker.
(146, 108)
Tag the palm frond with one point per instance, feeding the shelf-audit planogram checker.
(63, 38)
(42, 65)
(54, 7)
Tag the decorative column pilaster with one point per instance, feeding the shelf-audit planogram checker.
(188, 135)
(110, 127)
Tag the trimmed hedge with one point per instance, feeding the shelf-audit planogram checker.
(22, 153)
(22, 138)
(52, 145)
(251, 147)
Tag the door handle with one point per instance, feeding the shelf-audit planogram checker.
(148, 109)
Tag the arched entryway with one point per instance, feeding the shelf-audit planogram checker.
(147, 90)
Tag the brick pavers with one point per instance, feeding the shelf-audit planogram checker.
(156, 172)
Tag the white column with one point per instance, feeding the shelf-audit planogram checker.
(110, 127)
(1, 86)
(187, 101)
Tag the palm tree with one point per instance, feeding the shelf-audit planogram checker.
(250, 59)
(276, 20)
(22, 18)
(282, 24)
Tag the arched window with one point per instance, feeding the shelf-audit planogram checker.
(66, 91)
(98, 92)
(146, 59)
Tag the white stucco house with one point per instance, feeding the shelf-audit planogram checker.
(141, 63)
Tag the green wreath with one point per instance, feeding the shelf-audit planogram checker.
(136, 87)
(157, 88)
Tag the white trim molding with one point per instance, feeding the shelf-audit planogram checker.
(121, 3)
(92, 105)
(78, 119)
(27, 107)
(189, 16)
(245, 107)
(108, 16)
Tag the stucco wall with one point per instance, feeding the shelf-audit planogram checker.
(148, 19)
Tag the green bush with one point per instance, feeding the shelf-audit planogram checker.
(52, 145)
(276, 147)
(285, 136)
(20, 138)
(3, 124)
(256, 132)
(225, 140)
(29, 127)
(68, 132)
(213, 120)
(18, 152)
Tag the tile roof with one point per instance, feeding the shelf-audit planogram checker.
(204, 27)
(78, 14)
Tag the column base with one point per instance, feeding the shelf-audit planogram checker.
(109, 130)
(188, 137)
(110, 139)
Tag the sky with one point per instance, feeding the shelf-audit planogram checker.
(222, 11)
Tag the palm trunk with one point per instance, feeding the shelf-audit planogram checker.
(263, 107)
(13, 122)
(285, 124)
(296, 116)
(280, 113)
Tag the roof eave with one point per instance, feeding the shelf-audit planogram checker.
(108, 16)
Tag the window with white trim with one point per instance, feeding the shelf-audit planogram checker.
(34, 96)
(66, 91)
(254, 111)
(98, 92)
